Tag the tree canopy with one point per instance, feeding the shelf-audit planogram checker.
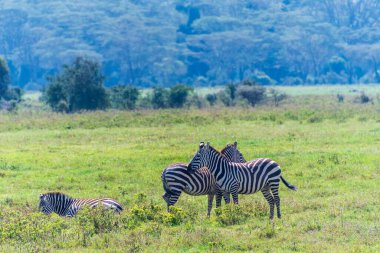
(161, 43)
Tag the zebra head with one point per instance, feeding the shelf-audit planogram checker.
(233, 154)
(45, 206)
(200, 158)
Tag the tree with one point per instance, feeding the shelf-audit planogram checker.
(277, 96)
(55, 96)
(4, 78)
(160, 97)
(178, 95)
(124, 97)
(253, 94)
(79, 85)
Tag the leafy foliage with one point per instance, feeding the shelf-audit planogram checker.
(201, 42)
(124, 97)
(4, 77)
(78, 87)
(253, 94)
(178, 95)
(160, 97)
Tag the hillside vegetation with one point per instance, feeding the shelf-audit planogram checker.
(329, 150)
(149, 43)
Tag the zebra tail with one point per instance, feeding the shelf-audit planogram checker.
(291, 187)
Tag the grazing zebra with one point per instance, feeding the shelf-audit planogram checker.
(64, 205)
(245, 178)
(177, 179)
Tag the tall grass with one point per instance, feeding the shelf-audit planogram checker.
(328, 149)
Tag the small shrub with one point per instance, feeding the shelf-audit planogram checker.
(14, 94)
(314, 119)
(211, 99)
(175, 217)
(196, 101)
(160, 97)
(225, 98)
(277, 96)
(231, 90)
(230, 215)
(253, 94)
(124, 97)
(340, 98)
(362, 98)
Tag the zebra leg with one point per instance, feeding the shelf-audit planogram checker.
(219, 195)
(166, 197)
(226, 197)
(268, 196)
(274, 190)
(234, 192)
(210, 200)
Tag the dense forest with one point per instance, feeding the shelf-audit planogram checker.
(198, 42)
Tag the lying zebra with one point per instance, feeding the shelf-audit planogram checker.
(64, 205)
(242, 178)
(176, 179)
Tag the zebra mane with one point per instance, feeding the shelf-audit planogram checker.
(213, 149)
(56, 194)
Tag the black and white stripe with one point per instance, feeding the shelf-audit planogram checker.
(64, 205)
(262, 174)
(233, 154)
(177, 179)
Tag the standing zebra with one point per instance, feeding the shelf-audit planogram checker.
(233, 154)
(177, 179)
(64, 205)
(245, 178)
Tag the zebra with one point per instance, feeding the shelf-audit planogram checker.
(261, 174)
(65, 205)
(233, 154)
(176, 179)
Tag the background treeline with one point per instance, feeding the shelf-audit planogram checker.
(202, 42)
(79, 86)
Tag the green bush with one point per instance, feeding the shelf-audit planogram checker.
(277, 97)
(225, 98)
(176, 216)
(178, 95)
(124, 97)
(253, 94)
(160, 97)
(363, 98)
(211, 98)
(230, 215)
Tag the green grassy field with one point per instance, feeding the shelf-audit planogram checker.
(329, 150)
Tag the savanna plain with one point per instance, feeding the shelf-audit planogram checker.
(329, 150)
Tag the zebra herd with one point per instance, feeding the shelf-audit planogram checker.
(222, 173)
(209, 173)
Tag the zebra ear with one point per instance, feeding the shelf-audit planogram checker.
(201, 144)
(235, 143)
